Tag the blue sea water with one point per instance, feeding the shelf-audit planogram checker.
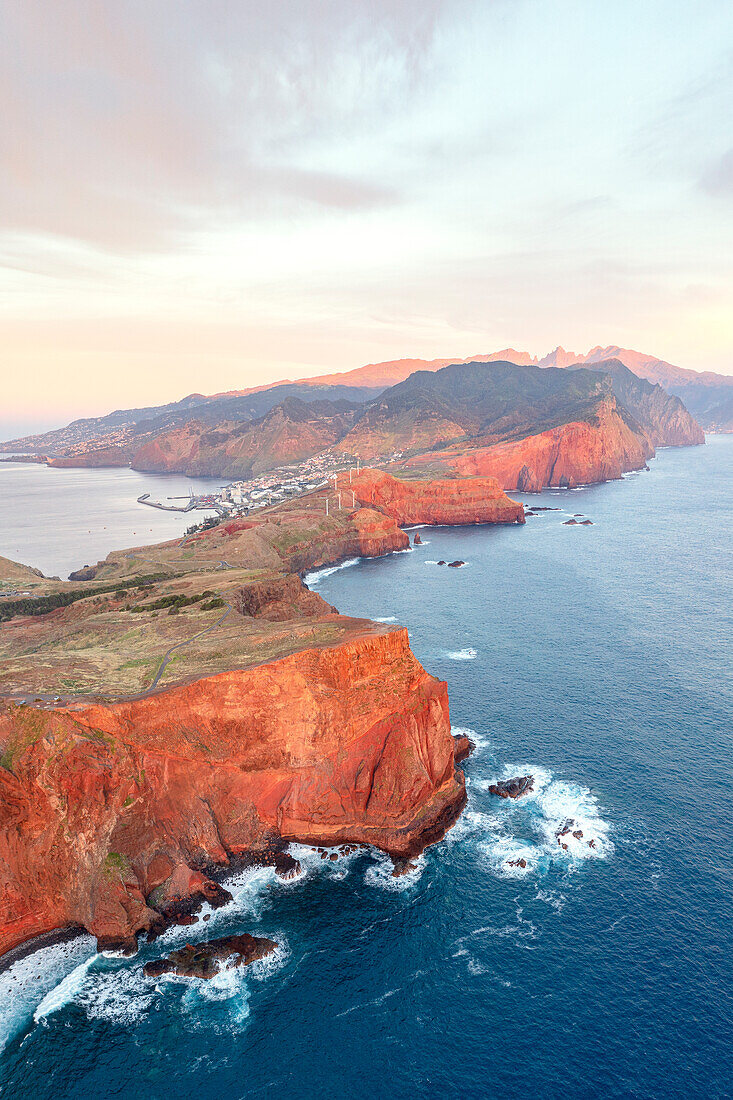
(596, 658)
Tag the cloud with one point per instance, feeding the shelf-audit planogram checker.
(243, 190)
(128, 125)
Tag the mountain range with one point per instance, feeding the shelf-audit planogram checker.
(574, 422)
(116, 438)
(708, 396)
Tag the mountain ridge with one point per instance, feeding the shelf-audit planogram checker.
(462, 405)
(707, 395)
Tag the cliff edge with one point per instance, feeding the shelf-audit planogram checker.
(104, 804)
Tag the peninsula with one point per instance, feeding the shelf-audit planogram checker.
(187, 708)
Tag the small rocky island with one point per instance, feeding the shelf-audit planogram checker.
(205, 960)
(512, 788)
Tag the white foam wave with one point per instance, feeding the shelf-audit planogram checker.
(229, 984)
(65, 992)
(263, 969)
(523, 929)
(31, 980)
(471, 823)
(381, 874)
(313, 862)
(121, 995)
(525, 838)
(464, 731)
(45, 982)
(467, 654)
(319, 574)
(385, 619)
(554, 898)
(480, 740)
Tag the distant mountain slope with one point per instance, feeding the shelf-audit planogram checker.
(663, 416)
(471, 401)
(531, 426)
(290, 432)
(597, 447)
(390, 373)
(126, 429)
(475, 404)
(708, 396)
(116, 437)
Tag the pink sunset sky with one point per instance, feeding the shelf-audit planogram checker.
(211, 195)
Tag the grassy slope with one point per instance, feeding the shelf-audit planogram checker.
(101, 644)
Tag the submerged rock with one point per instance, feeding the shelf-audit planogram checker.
(441, 562)
(512, 788)
(587, 522)
(455, 564)
(205, 960)
(403, 867)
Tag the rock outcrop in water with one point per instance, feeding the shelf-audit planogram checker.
(112, 814)
(512, 788)
(463, 746)
(205, 960)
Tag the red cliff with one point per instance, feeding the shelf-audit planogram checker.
(443, 501)
(579, 453)
(102, 805)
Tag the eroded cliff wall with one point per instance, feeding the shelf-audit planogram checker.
(101, 805)
(441, 501)
(581, 453)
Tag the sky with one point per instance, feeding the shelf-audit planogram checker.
(203, 195)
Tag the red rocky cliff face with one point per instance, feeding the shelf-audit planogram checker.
(580, 453)
(101, 806)
(444, 501)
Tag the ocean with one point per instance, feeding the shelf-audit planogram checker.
(597, 659)
(58, 520)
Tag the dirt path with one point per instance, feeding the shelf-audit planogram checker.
(55, 697)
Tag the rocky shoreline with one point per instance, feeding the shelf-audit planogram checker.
(124, 817)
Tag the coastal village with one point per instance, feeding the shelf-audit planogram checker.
(239, 498)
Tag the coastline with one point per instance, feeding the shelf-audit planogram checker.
(52, 938)
(338, 561)
(524, 722)
(371, 761)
